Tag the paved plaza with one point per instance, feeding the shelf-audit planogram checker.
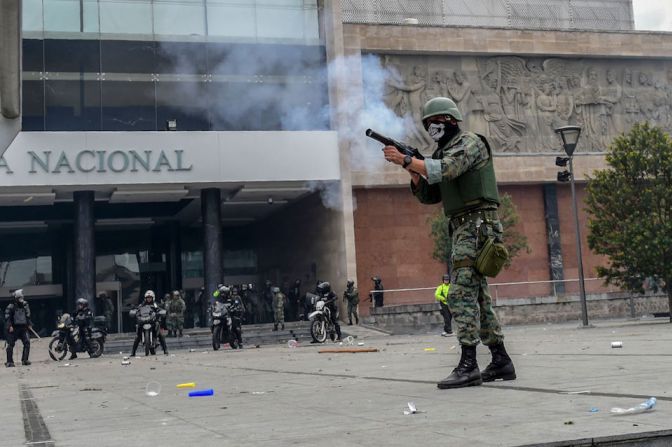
(276, 395)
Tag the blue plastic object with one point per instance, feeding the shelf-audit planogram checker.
(201, 393)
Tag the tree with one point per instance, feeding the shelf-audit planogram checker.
(508, 216)
(630, 211)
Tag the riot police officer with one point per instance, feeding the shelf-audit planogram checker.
(351, 296)
(18, 323)
(83, 318)
(278, 308)
(330, 300)
(149, 301)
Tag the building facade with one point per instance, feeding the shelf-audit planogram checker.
(228, 145)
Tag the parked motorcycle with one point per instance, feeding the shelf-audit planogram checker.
(321, 325)
(223, 326)
(148, 319)
(58, 347)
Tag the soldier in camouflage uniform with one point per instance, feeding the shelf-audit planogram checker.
(460, 174)
(351, 295)
(175, 308)
(278, 308)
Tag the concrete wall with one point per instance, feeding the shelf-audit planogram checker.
(426, 317)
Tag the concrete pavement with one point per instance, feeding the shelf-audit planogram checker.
(276, 395)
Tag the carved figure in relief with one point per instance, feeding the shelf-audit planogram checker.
(590, 108)
(547, 107)
(503, 131)
(459, 90)
(630, 104)
(611, 97)
(647, 98)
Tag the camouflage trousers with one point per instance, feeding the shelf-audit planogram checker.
(279, 315)
(469, 299)
(352, 310)
(175, 323)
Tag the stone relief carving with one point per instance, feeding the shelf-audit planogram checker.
(517, 102)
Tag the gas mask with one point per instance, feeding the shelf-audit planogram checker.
(436, 131)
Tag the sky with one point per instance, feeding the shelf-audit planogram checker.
(653, 15)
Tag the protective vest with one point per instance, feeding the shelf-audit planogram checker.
(20, 317)
(352, 296)
(441, 293)
(471, 190)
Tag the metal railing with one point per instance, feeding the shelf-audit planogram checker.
(537, 14)
(554, 288)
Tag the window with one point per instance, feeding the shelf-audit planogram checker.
(179, 17)
(126, 17)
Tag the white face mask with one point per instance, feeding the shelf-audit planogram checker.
(436, 131)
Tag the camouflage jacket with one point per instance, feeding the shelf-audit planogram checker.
(463, 152)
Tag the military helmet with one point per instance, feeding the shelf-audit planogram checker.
(324, 287)
(440, 106)
(350, 283)
(243, 287)
(150, 294)
(375, 278)
(446, 277)
(82, 302)
(18, 294)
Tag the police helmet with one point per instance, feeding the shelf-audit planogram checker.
(150, 294)
(350, 283)
(446, 277)
(223, 290)
(375, 278)
(243, 287)
(82, 302)
(18, 294)
(324, 287)
(440, 106)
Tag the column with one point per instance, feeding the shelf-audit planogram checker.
(84, 245)
(553, 232)
(174, 256)
(212, 242)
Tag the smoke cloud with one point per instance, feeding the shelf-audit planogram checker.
(281, 87)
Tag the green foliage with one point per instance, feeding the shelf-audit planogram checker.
(508, 216)
(630, 210)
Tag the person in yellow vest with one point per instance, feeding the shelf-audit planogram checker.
(441, 295)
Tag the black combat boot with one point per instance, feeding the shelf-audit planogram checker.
(10, 357)
(275, 327)
(466, 373)
(180, 333)
(501, 366)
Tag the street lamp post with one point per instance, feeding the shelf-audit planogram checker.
(570, 137)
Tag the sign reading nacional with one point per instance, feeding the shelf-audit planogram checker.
(101, 158)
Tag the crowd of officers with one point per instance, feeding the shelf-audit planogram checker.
(271, 305)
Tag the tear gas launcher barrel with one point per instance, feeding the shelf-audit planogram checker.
(401, 147)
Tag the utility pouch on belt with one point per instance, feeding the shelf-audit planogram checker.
(491, 258)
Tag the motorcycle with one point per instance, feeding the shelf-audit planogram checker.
(148, 319)
(224, 328)
(58, 347)
(321, 325)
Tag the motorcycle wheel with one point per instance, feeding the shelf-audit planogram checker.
(216, 338)
(57, 355)
(318, 331)
(233, 341)
(96, 349)
(148, 343)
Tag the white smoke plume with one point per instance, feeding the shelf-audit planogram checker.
(265, 87)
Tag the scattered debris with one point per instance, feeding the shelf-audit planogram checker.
(361, 343)
(616, 344)
(575, 392)
(569, 422)
(91, 389)
(202, 393)
(125, 362)
(594, 410)
(186, 385)
(411, 409)
(451, 348)
(292, 343)
(647, 405)
(350, 340)
(430, 349)
(346, 350)
(257, 393)
(153, 389)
